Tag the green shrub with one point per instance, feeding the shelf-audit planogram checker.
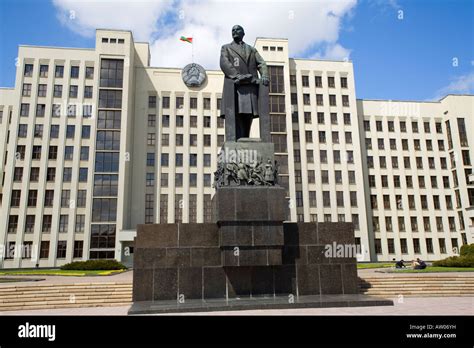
(467, 250)
(456, 261)
(94, 265)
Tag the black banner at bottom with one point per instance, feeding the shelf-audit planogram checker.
(140, 331)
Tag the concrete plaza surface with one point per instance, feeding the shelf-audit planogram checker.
(402, 306)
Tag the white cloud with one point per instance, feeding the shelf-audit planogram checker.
(463, 84)
(310, 26)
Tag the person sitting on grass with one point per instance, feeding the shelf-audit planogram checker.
(400, 264)
(419, 264)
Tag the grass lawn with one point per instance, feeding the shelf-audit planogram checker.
(375, 265)
(431, 269)
(57, 272)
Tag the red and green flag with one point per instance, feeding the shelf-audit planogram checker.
(186, 39)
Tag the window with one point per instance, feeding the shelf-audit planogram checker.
(207, 103)
(318, 81)
(61, 250)
(331, 83)
(164, 160)
(12, 223)
(67, 174)
(28, 71)
(34, 174)
(164, 180)
(47, 221)
(84, 156)
(87, 92)
(74, 72)
(110, 99)
(38, 131)
(151, 138)
(70, 130)
(343, 82)
(111, 73)
(179, 102)
(56, 110)
(26, 92)
(32, 198)
(78, 248)
(42, 89)
(305, 81)
(81, 198)
(332, 100)
(59, 71)
(89, 72)
(150, 179)
(165, 102)
(319, 99)
(43, 71)
(326, 199)
(65, 198)
(345, 100)
(40, 110)
(83, 174)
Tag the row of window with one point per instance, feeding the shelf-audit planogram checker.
(50, 177)
(32, 198)
(44, 251)
(403, 126)
(328, 218)
(178, 208)
(179, 102)
(413, 224)
(71, 110)
(320, 99)
(57, 91)
(58, 71)
(193, 121)
(327, 198)
(193, 159)
(411, 202)
(53, 155)
(406, 162)
(178, 178)
(320, 117)
(416, 245)
(405, 146)
(63, 224)
(179, 139)
(318, 81)
(408, 181)
(311, 177)
(38, 132)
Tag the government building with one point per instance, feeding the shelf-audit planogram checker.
(96, 141)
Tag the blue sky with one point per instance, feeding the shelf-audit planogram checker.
(425, 54)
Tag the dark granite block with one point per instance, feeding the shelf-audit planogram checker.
(142, 284)
(190, 282)
(277, 204)
(262, 281)
(224, 200)
(165, 284)
(198, 235)
(149, 258)
(157, 236)
(331, 279)
(316, 254)
(214, 282)
(341, 232)
(252, 257)
(230, 258)
(205, 257)
(274, 256)
(226, 236)
(308, 279)
(308, 233)
(239, 281)
(285, 279)
(294, 255)
(178, 257)
(350, 281)
(290, 233)
(268, 235)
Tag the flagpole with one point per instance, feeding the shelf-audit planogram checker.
(192, 49)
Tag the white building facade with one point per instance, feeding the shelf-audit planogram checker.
(95, 141)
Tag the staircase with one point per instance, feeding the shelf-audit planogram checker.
(420, 286)
(49, 296)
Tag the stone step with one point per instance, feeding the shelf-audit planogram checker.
(46, 298)
(59, 306)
